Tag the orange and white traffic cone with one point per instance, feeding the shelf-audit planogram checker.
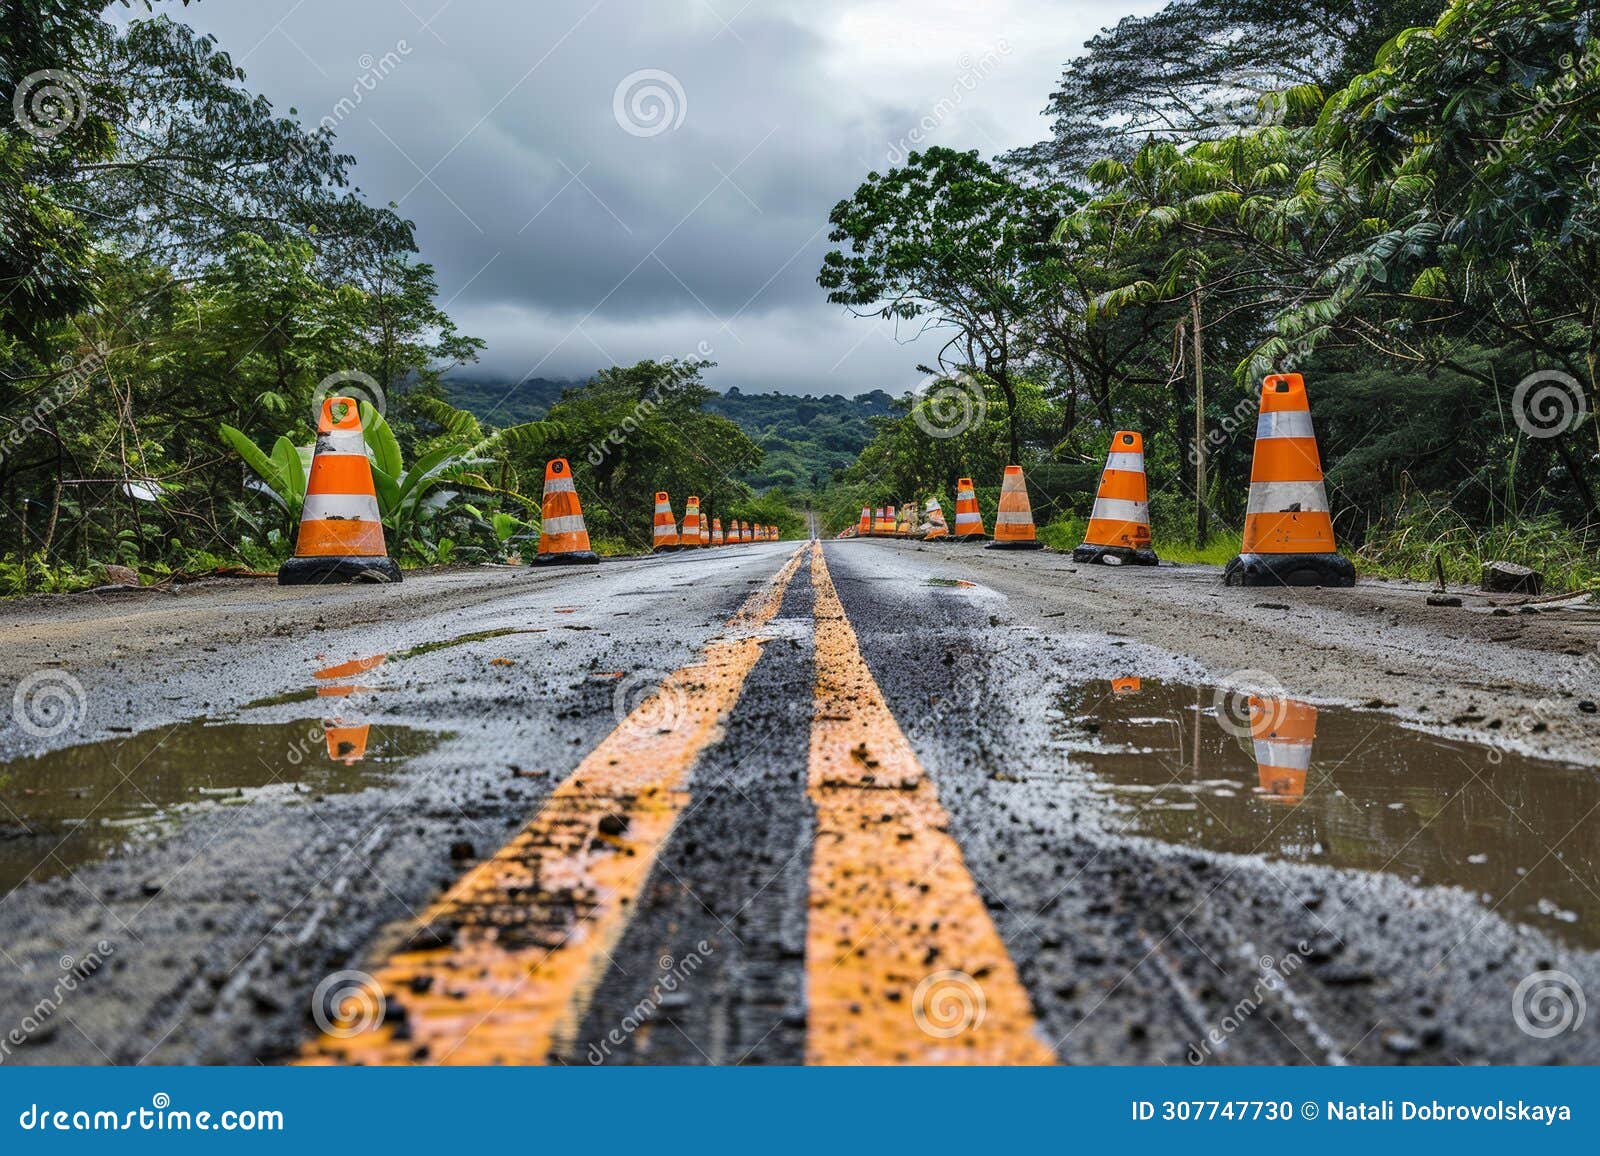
(666, 527)
(744, 531)
(1282, 730)
(891, 521)
(1121, 686)
(864, 526)
(774, 534)
(1013, 524)
(341, 532)
(689, 537)
(1288, 531)
(716, 532)
(563, 536)
(934, 528)
(1119, 528)
(969, 520)
(705, 532)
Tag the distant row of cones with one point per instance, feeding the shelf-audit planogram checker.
(698, 531)
(1288, 529)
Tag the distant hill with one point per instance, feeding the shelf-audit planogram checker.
(802, 437)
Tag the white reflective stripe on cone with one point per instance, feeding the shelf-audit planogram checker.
(666, 532)
(1290, 756)
(570, 524)
(558, 486)
(1133, 463)
(1278, 497)
(342, 441)
(1288, 423)
(1121, 510)
(322, 506)
(1013, 518)
(967, 519)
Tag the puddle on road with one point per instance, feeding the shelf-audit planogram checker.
(84, 803)
(1344, 788)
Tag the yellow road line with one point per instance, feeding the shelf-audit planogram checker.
(903, 964)
(502, 967)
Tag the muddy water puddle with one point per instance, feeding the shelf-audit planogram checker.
(1234, 772)
(84, 803)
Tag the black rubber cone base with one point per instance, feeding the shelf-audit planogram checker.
(1115, 556)
(326, 571)
(1290, 570)
(575, 558)
(1033, 545)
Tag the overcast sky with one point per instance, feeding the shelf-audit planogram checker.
(579, 221)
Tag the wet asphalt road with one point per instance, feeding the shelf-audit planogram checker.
(218, 861)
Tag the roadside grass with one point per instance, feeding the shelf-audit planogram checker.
(1431, 535)
(1171, 545)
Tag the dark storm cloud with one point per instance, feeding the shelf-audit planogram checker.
(568, 232)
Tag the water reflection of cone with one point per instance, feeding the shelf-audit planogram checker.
(935, 529)
(864, 526)
(347, 740)
(666, 526)
(341, 533)
(969, 520)
(1013, 524)
(1119, 528)
(563, 536)
(1282, 730)
(1288, 531)
(716, 532)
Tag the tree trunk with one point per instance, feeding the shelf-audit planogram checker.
(1200, 519)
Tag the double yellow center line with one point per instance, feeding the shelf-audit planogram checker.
(903, 964)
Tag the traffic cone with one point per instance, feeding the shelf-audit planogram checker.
(864, 526)
(716, 532)
(1282, 730)
(969, 520)
(744, 531)
(891, 520)
(1288, 532)
(1013, 524)
(705, 532)
(1120, 686)
(563, 537)
(774, 534)
(935, 529)
(666, 527)
(689, 538)
(1119, 528)
(341, 532)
